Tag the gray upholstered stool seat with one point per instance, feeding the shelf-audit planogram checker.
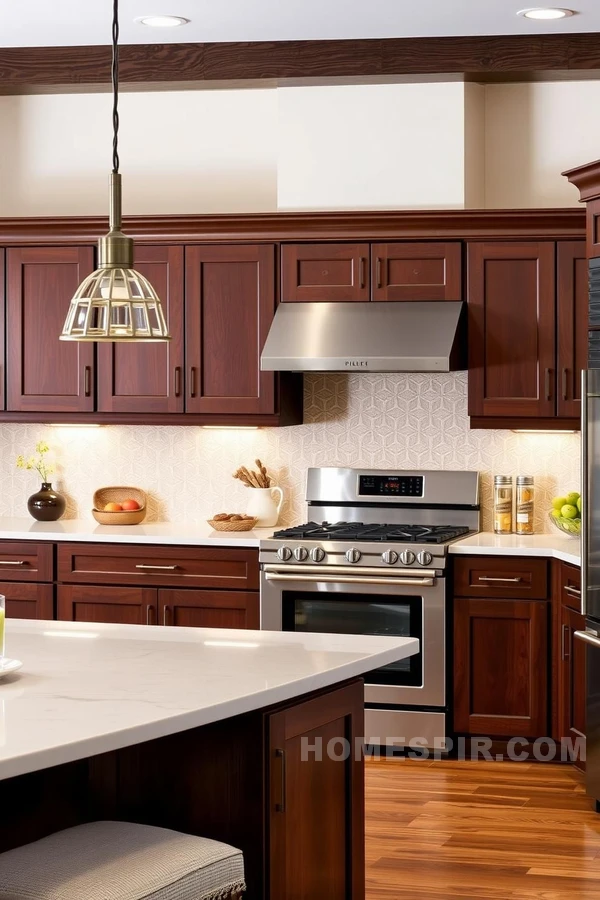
(121, 861)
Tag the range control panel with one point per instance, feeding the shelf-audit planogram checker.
(390, 485)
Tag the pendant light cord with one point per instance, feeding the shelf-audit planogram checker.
(115, 84)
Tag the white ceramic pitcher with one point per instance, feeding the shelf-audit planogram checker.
(263, 505)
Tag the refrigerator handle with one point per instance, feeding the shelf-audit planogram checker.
(585, 492)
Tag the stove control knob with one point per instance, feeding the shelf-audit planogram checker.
(353, 555)
(300, 553)
(389, 557)
(407, 557)
(284, 553)
(425, 558)
(317, 554)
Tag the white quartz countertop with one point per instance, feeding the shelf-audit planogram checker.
(91, 688)
(486, 543)
(25, 529)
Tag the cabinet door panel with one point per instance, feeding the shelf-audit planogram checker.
(92, 603)
(511, 295)
(148, 378)
(324, 272)
(571, 677)
(572, 324)
(28, 601)
(2, 332)
(230, 304)
(416, 271)
(42, 372)
(209, 609)
(316, 802)
(501, 660)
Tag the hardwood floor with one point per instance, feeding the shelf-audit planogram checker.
(480, 831)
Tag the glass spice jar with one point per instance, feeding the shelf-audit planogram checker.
(525, 497)
(503, 503)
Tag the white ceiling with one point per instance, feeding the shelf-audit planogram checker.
(36, 23)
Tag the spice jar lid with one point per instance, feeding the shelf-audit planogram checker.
(524, 479)
(502, 479)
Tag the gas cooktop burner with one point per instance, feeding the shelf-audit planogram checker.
(357, 531)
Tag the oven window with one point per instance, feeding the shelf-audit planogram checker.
(362, 614)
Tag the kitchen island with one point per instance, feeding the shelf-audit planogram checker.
(248, 737)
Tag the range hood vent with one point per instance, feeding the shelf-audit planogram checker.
(367, 337)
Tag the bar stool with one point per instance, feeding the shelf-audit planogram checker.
(122, 861)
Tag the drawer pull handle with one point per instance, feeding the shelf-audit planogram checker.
(564, 652)
(572, 590)
(548, 374)
(166, 615)
(13, 562)
(565, 384)
(378, 272)
(149, 614)
(178, 381)
(490, 578)
(361, 272)
(87, 381)
(280, 807)
(159, 568)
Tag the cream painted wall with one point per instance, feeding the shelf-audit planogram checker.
(474, 143)
(533, 132)
(371, 146)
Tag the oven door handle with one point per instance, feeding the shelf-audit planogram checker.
(349, 579)
(389, 574)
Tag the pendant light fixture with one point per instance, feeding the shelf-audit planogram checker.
(115, 303)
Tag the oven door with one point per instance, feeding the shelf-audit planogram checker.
(407, 605)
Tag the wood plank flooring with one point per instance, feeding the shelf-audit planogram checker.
(480, 831)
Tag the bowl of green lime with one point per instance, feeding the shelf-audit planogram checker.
(565, 514)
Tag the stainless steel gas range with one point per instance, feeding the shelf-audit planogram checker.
(358, 576)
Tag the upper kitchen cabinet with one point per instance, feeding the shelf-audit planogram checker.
(572, 324)
(229, 306)
(325, 272)
(416, 271)
(43, 373)
(148, 378)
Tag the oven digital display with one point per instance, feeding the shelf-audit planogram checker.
(390, 485)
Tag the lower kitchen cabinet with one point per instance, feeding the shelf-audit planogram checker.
(316, 799)
(501, 667)
(28, 601)
(119, 605)
(209, 609)
(570, 654)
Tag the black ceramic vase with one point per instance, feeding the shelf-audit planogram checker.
(46, 505)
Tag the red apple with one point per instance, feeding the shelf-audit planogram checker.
(130, 505)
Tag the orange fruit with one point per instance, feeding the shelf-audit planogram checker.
(113, 507)
(130, 505)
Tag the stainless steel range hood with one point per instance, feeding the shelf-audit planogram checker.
(366, 337)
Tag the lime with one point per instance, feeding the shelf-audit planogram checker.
(572, 498)
(556, 513)
(578, 504)
(559, 502)
(568, 511)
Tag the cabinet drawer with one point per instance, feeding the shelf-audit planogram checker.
(493, 576)
(25, 561)
(227, 568)
(570, 586)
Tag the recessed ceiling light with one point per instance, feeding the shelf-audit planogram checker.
(162, 21)
(544, 12)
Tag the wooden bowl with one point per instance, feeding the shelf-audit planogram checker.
(224, 525)
(116, 495)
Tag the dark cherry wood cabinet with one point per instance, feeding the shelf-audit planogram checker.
(571, 324)
(416, 271)
(209, 609)
(512, 323)
(325, 858)
(2, 330)
(571, 657)
(325, 272)
(500, 667)
(148, 378)
(97, 603)
(44, 374)
(25, 600)
(229, 306)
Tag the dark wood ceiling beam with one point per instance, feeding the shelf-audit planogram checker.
(152, 65)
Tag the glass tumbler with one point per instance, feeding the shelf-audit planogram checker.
(2, 620)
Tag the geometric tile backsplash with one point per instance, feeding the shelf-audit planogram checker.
(375, 421)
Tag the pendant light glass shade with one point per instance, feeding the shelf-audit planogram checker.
(115, 303)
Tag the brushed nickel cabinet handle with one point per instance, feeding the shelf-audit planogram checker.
(564, 653)
(177, 387)
(158, 568)
(13, 562)
(149, 614)
(378, 272)
(193, 381)
(87, 381)
(166, 614)
(572, 590)
(361, 271)
(280, 807)
(507, 580)
(548, 384)
(565, 383)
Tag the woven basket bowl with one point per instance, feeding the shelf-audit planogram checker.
(116, 495)
(244, 525)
